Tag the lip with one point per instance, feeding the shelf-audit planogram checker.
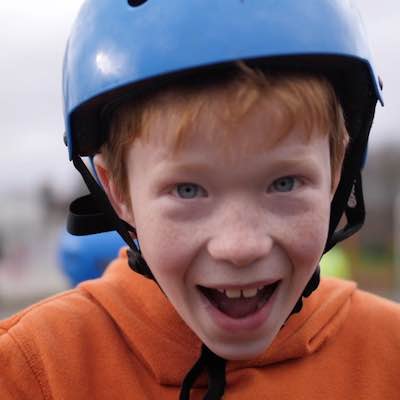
(239, 325)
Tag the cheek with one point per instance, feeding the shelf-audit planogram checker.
(305, 241)
(165, 247)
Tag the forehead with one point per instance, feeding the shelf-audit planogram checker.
(216, 108)
(263, 126)
(262, 131)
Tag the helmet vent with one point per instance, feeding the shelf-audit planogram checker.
(136, 3)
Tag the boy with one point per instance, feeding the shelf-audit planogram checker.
(229, 138)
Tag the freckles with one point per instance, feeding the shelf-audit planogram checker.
(152, 239)
(164, 249)
(307, 240)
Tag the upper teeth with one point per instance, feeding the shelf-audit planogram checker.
(236, 293)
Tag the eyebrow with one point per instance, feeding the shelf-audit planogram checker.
(301, 161)
(187, 167)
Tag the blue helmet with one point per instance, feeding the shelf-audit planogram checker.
(121, 46)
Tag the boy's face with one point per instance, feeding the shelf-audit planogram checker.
(232, 232)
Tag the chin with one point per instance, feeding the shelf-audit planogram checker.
(239, 351)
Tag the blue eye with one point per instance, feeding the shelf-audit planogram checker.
(188, 190)
(285, 184)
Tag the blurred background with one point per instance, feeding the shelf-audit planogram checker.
(37, 182)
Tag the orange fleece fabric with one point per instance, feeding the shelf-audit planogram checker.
(118, 337)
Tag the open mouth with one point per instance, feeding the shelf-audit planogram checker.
(239, 303)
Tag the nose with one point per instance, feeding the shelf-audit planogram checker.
(241, 243)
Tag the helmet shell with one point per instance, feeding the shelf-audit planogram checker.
(115, 48)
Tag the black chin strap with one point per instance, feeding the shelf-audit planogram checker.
(354, 212)
(138, 264)
(312, 285)
(93, 214)
(214, 366)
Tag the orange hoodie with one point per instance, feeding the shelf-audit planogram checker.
(118, 337)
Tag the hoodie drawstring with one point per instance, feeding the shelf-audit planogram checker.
(215, 369)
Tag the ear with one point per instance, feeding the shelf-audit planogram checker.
(118, 201)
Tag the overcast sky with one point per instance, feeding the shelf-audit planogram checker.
(32, 41)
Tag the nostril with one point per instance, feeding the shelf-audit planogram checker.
(136, 3)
